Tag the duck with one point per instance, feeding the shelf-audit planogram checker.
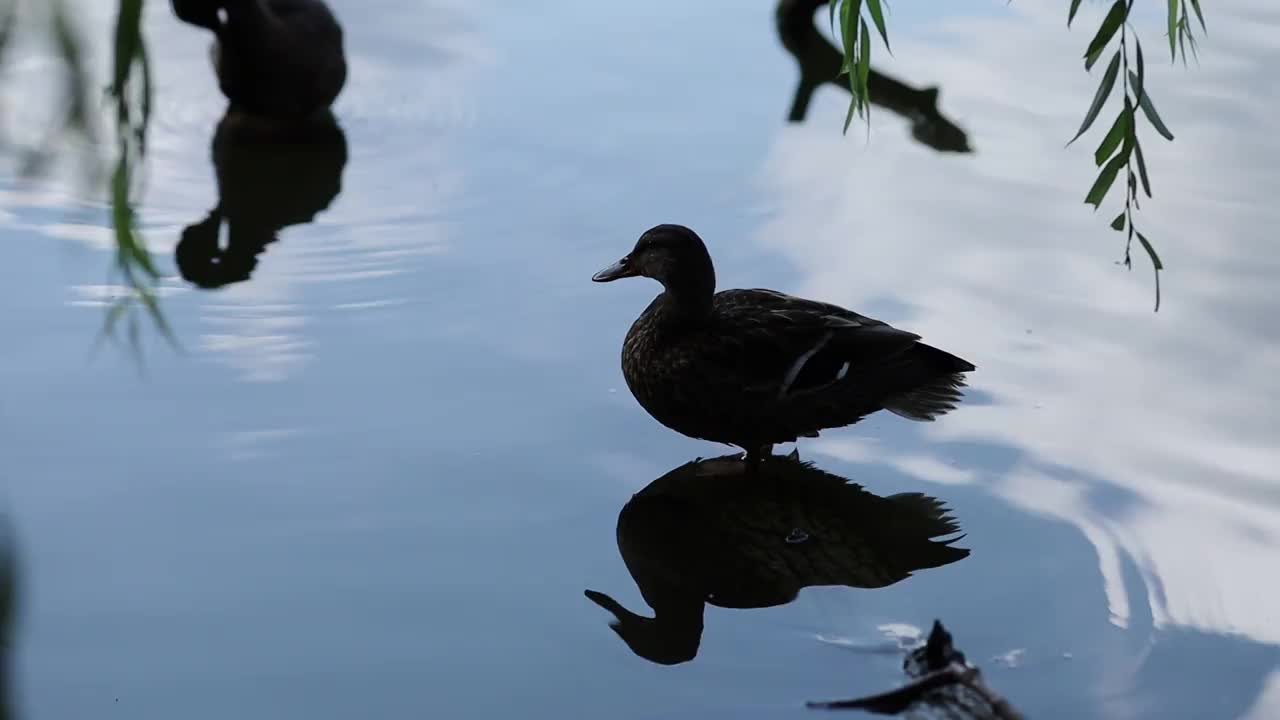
(757, 367)
(700, 535)
(278, 62)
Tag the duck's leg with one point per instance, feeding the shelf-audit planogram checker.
(756, 455)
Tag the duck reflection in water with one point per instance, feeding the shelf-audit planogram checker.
(708, 532)
(264, 186)
(820, 63)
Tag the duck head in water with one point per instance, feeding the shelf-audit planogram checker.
(668, 638)
(263, 187)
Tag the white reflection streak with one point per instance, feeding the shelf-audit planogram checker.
(1176, 409)
(1264, 708)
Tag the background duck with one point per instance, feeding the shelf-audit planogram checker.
(277, 61)
(757, 367)
(701, 535)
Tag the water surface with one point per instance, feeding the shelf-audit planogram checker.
(388, 464)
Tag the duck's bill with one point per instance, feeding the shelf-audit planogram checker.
(616, 271)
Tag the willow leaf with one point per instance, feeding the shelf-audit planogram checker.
(1119, 130)
(1100, 97)
(877, 15)
(1149, 109)
(1105, 180)
(1110, 24)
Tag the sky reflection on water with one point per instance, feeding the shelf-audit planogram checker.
(393, 458)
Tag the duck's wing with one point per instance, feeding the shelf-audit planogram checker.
(789, 345)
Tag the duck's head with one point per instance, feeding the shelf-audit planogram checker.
(673, 255)
(665, 642)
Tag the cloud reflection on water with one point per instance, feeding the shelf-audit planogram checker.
(992, 256)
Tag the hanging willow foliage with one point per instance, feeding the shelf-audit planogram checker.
(1120, 149)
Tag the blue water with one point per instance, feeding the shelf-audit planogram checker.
(381, 472)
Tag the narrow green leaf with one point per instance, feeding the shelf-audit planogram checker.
(1148, 109)
(1118, 223)
(157, 316)
(140, 255)
(1091, 60)
(128, 37)
(1105, 180)
(1142, 69)
(120, 210)
(145, 121)
(1110, 24)
(1173, 29)
(113, 315)
(864, 64)
(1119, 129)
(1195, 5)
(1131, 132)
(1156, 265)
(1182, 41)
(831, 6)
(1100, 97)
(1191, 38)
(849, 36)
(1151, 251)
(135, 337)
(877, 15)
(1142, 167)
(1071, 14)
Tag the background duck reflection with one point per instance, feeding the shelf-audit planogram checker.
(820, 63)
(265, 184)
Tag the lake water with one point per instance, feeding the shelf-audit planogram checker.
(383, 470)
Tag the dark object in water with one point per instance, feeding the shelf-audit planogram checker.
(714, 532)
(943, 684)
(281, 60)
(8, 617)
(754, 368)
(821, 63)
(264, 186)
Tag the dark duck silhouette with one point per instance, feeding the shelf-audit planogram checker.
(705, 533)
(756, 367)
(263, 187)
(278, 62)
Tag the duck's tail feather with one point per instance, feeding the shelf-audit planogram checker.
(926, 519)
(929, 515)
(937, 396)
(927, 403)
